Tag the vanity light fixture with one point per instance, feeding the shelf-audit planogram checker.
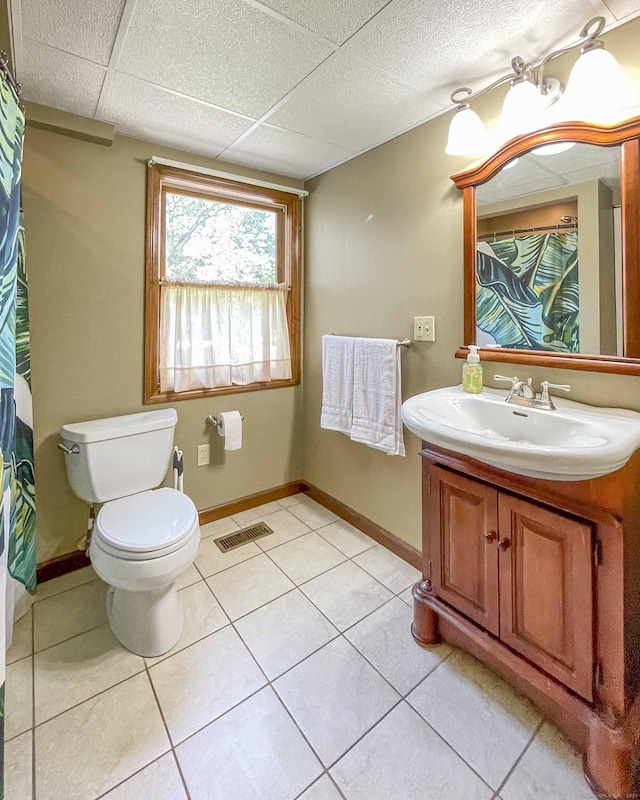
(595, 92)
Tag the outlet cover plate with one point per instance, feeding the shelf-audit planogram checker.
(424, 329)
(204, 455)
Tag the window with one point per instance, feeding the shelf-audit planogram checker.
(222, 286)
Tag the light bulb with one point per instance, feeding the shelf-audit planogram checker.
(596, 88)
(552, 149)
(522, 111)
(467, 135)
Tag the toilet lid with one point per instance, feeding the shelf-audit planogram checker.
(147, 521)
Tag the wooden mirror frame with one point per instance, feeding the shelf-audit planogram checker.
(627, 136)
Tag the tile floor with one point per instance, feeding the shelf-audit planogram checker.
(296, 677)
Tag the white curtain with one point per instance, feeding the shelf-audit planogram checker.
(215, 336)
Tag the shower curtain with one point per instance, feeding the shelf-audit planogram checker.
(17, 502)
(527, 292)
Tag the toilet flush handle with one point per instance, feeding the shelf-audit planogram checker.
(70, 451)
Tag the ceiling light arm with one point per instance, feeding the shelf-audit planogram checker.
(522, 70)
(588, 41)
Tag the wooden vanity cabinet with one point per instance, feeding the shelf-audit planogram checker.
(541, 580)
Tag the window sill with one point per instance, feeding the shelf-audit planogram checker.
(170, 397)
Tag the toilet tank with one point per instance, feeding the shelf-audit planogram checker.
(119, 456)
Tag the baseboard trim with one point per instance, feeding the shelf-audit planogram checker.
(70, 562)
(381, 535)
(250, 501)
(60, 565)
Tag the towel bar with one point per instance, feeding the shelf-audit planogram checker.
(401, 342)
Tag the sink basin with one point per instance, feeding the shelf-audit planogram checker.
(576, 442)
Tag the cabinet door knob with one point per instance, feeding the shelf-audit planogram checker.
(490, 536)
(504, 544)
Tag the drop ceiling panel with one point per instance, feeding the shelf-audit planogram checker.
(496, 195)
(336, 20)
(285, 152)
(347, 103)
(147, 112)
(60, 80)
(85, 29)
(445, 45)
(222, 51)
(623, 8)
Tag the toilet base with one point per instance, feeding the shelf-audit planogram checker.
(147, 623)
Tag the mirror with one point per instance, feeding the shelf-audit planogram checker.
(552, 272)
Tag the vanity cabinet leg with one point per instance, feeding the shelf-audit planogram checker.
(425, 620)
(612, 758)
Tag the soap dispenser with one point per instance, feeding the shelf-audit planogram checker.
(472, 372)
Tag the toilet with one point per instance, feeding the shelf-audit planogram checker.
(144, 538)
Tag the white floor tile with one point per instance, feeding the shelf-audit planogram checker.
(550, 770)
(407, 596)
(346, 538)
(285, 527)
(22, 638)
(324, 789)
(188, 578)
(254, 752)
(211, 559)
(384, 639)
(203, 681)
(256, 514)
(346, 594)
(292, 500)
(284, 632)
(18, 768)
(218, 527)
(93, 747)
(159, 781)
(64, 615)
(386, 567)
(306, 557)
(75, 670)
(202, 616)
(18, 698)
(403, 759)
(64, 582)
(247, 586)
(463, 689)
(313, 514)
(335, 697)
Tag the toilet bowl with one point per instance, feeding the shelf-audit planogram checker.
(144, 538)
(140, 546)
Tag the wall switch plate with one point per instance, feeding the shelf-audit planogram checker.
(204, 455)
(424, 329)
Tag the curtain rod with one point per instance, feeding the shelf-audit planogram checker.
(569, 227)
(228, 175)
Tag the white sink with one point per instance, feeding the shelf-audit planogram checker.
(575, 442)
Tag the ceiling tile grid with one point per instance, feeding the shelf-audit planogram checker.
(58, 79)
(226, 52)
(285, 152)
(325, 79)
(85, 28)
(137, 107)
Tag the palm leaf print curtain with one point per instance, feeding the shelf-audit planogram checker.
(527, 293)
(17, 509)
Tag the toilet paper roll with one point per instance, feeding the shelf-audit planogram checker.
(231, 429)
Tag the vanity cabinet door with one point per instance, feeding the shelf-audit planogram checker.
(464, 520)
(546, 590)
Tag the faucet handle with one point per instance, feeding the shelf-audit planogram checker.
(564, 387)
(512, 381)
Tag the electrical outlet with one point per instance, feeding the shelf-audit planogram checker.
(424, 329)
(204, 454)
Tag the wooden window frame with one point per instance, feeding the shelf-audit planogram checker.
(160, 179)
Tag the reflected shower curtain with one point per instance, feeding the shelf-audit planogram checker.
(17, 507)
(527, 292)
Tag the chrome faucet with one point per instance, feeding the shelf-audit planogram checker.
(522, 393)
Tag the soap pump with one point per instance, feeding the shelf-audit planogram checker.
(472, 372)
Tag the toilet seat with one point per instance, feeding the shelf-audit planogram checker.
(146, 525)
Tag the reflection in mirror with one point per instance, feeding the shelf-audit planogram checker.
(548, 266)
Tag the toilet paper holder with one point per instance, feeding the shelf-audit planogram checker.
(212, 421)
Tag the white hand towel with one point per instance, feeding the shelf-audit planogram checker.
(377, 395)
(337, 383)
